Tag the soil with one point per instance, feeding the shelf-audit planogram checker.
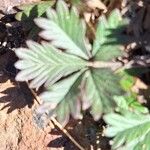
(18, 128)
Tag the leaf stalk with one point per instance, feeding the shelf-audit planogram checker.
(102, 64)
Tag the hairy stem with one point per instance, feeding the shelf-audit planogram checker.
(102, 64)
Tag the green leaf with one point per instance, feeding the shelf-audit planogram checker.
(115, 19)
(100, 34)
(31, 11)
(129, 103)
(135, 105)
(101, 86)
(144, 144)
(105, 46)
(70, 105)
(64, 97)
(129, 129)
(75, 2)
(65, 30)
(127, 81)
(130, 100)
(59, 90)
(107, 53)
(45, 64)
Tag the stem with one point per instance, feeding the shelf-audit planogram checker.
(66, 133)
(102, 64)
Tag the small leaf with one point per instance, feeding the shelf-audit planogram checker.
(129, 103)
(100, 34)
(59, 90)
(43, 64)
(127, 81)
(129, 128)
(31, 11)
(144, 144)
(101, 86)
(65, 30)
(106, 44)
(65, 95)
(115, 19)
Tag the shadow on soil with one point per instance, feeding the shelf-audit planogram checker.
(15, 95)
(86, 132)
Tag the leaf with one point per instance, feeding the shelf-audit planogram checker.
(107, 53)
(127, 81)
(75, 2)
(45, 64)
(65, 30)
(115, 19)
(105, 46)
(65, 95)
(31, 11)
(129, 102)
(144, 144)
(70, 105)
(101, 86)
(58, 91)
(129, 129)
(100, 34)
(135, 105)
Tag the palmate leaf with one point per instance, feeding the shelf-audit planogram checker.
(45, 64)
(101, 86)
(61, 63)
(65, 30)
(105, 46)
(131, 130)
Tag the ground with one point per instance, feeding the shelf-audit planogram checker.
(18, 130)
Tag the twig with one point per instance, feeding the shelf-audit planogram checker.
(66, 133)
(38, 100)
